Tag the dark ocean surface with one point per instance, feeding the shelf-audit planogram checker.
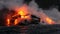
(31, 29)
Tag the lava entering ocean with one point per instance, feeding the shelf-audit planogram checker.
(46, 19)
(22, 14)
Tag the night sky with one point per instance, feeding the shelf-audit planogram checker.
(45, 4)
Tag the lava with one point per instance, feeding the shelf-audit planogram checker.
(15, 22)
(8, 22)
(23, 14)
(46, 19)
(49, 21)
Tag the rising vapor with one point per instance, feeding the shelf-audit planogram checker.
(33, 8)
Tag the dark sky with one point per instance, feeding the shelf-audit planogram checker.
(45, 4)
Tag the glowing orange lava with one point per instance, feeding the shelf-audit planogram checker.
(23, 12)
(49, 21)
(8, 22)
(46, 19)
(15, 22)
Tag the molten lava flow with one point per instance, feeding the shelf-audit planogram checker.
(49, 21)
(23, 17)
(19, 15)
(8, 22)
(46, 19)
(23, 11)
(15, 22)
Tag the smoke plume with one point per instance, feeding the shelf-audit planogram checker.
(33, 8)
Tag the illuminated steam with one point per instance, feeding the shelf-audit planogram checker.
(33, 9)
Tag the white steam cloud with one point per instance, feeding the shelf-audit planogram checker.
(33, 8)
(11, 3)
